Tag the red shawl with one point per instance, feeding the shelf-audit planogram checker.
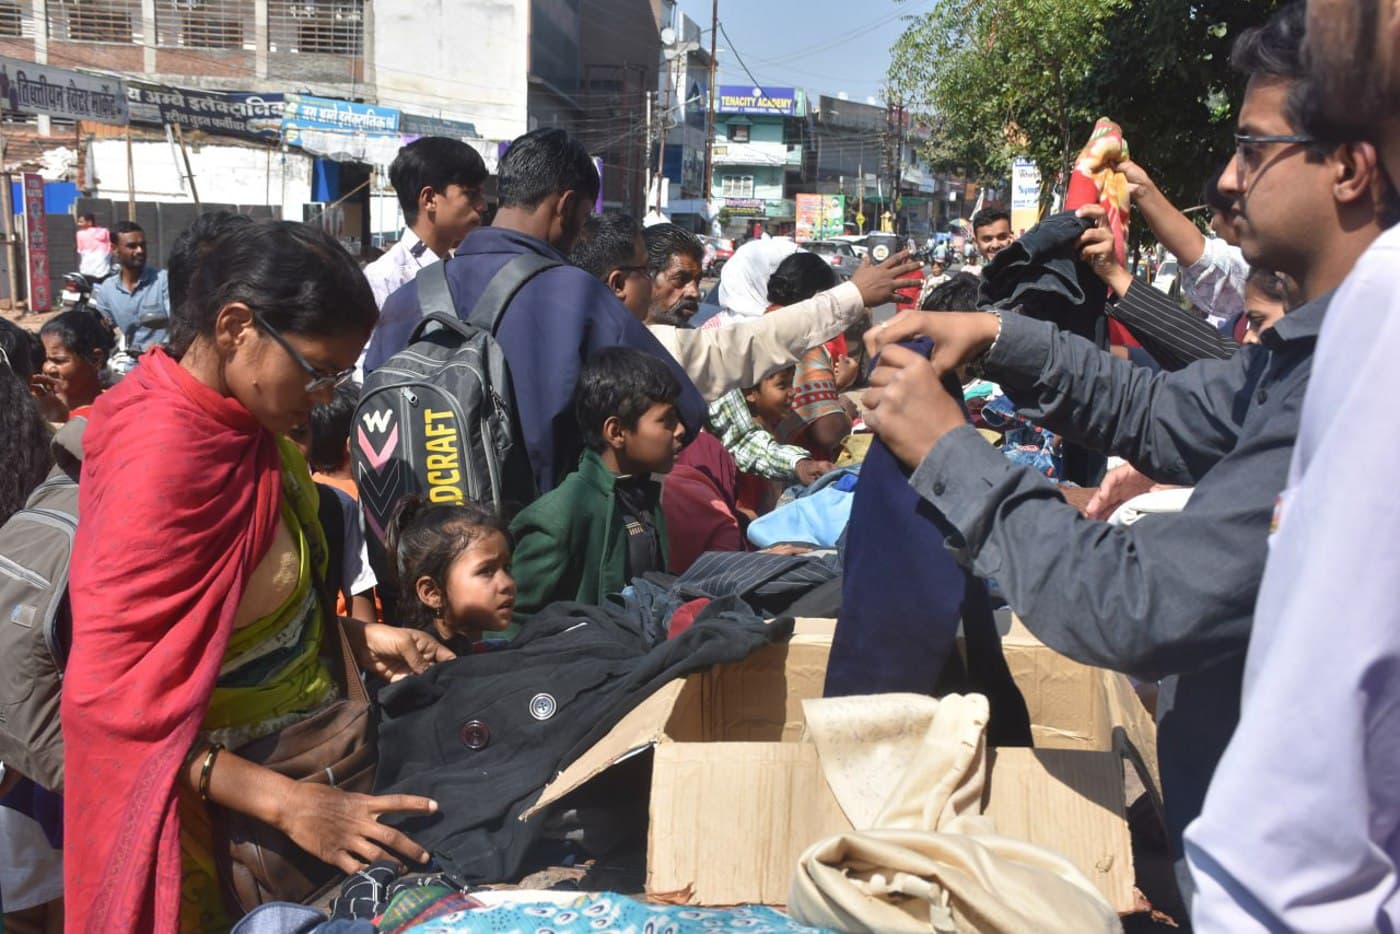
(1096, 180)
(179, 500)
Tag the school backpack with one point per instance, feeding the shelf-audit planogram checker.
(36, 545)
(438, 418)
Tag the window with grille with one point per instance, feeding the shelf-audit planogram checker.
(205, 24)
(102, 21)
(736, 186)
(316, 26)
(738, 132)
(16, 20)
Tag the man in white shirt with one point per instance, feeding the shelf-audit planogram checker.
(440, 185)
(1301, 826)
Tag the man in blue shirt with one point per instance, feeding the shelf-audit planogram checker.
(547, 187)
(136, 292)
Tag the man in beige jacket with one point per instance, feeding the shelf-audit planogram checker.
(718, 360)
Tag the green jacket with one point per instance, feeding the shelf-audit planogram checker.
(571, 543)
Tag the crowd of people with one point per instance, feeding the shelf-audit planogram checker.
(1169, 492)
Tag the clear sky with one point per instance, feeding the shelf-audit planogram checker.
(825, 46)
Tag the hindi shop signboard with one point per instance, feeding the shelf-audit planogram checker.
(221, 113)
(37, 240)
(27, 88)
(748, 99)
(342, 130)
(1025, 196)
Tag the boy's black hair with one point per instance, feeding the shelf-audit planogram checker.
(1275, 49)
(605, 243)
(957, 294)
(621, 382)
(543, 163)
(989, 216)
(81, 333)
(88, 216)
(799, 277)
(423, 539)
(665, 241)
(329, 429)
(433, 162)
(1275, 287)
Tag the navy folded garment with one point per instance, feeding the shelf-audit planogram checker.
(903, 598)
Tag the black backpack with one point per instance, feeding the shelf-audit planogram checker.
(438, 418)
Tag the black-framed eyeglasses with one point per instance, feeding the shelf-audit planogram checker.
(1246, 143)
(320, 380)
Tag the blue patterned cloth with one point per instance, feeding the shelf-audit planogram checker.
(608, 912)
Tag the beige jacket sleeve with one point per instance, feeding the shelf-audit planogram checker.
(721, 359)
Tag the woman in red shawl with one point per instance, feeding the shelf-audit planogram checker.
(195, 626)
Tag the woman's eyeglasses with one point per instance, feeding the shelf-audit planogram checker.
(320, 380)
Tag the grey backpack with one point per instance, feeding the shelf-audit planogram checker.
(36, 545)
(438, 418)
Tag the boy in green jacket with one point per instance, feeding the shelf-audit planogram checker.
(601, 527)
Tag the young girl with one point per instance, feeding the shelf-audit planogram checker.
(76, 346)
(452, 562)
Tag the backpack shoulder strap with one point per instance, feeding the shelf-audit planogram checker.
(434, 293)
(503, 287)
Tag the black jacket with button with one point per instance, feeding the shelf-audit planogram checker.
(483, 734)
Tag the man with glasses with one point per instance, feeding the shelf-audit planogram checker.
(1170, 597)
(1301, 828)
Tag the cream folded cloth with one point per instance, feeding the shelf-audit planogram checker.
(909, 772)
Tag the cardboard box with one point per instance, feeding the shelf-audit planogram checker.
(737, 795)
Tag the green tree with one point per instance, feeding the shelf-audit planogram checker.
(999, 78)
(1002, 78)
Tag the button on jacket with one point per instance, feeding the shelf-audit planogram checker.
(1172, 596)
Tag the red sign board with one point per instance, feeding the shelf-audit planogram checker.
(37, 240)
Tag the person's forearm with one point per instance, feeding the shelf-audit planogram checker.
(1155, 421)
(1174, 230)
(1150, 602)
(239, 785)
(719, 360)
(1174, 337)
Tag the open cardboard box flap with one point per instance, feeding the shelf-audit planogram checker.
(737, 796)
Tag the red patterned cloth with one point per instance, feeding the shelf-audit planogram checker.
(1096, 180)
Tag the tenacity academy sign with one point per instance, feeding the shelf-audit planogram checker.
(748, 99)
(28, 88)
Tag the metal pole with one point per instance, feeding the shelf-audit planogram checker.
(130, 180)
(710, 111)
(646, 192)
(7, 208)
(189, 172)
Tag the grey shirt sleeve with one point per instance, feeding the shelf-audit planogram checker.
(1171, 426)
(1150, 599)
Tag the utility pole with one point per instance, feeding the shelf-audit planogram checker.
(645, 190)
(710, 109)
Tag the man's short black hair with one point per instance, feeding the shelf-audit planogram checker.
(433, 162)
(543, 163)
(620, 382)
(1275, 49)
(989, 216)
(667, 240)
(957, 294)
(329, 429)
(88, 216)
(605, 243)
(126, 227)
(799, 277)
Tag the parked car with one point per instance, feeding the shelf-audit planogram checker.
(857, 242)
(717, 251)
(840, 254)
(1168, 278)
